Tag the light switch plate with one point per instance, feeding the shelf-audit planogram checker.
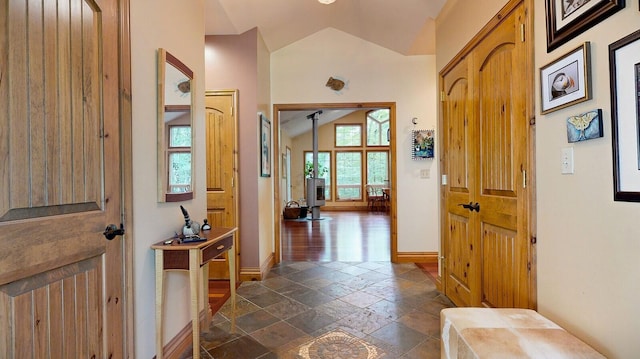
(567, 160)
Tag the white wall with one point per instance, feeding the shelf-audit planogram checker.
(299, 73)
(177, 27)
(588, 244)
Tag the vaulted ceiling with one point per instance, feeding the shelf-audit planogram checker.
(404, 26)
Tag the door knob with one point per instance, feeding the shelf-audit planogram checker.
(472, 207)
(112, 231)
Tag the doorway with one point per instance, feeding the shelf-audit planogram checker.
(279, 191)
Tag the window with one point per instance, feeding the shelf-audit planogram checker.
(377, 167)
(324, 170)
(378, 128)
(348, 135)
(349, 175)
(179, 156)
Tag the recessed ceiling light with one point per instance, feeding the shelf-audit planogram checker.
(326, 2)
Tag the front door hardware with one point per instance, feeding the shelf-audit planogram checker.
(112, 231)
(472, 207)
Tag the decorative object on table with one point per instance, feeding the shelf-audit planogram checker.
(205, 226)
(566, 81)
(291, 210)
(265, 146)
(585, 126)
(190, 228)
(624, 72)
(422, 144)
(567, 19)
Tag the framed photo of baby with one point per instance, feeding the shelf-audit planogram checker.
(566, 81)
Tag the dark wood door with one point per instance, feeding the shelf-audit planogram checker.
(61, 281)
(486, 205)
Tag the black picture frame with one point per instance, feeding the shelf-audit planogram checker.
(624, 73)
(265, 146)
(563, 25)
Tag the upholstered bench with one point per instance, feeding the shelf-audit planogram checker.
(478, 333)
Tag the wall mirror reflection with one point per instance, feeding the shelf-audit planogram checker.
(175, 138)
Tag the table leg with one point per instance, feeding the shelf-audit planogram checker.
(195, 284)
(159, 294)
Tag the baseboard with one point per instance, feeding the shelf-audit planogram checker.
(182, 341)
(255, 273)
(417, 257)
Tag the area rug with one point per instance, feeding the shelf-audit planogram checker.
(339, 344)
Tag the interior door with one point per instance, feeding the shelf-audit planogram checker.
(61, 281)
(486, 241)
(222, 197)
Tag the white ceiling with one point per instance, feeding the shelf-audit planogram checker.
(404, 26)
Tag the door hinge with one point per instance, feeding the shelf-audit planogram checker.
(524, 178)
(231, 110)
(442, 96)
(522, 32)
(534, 240)
(233, 182)
(529, 266)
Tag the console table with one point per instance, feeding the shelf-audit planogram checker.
(173, 255)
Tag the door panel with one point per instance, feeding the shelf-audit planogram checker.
(221, 170)
(60, 179)
(494, 256)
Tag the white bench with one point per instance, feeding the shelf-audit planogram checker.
(479, 333)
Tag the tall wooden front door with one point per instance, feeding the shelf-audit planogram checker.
(485, 158)
(222, 196)
(61, 280)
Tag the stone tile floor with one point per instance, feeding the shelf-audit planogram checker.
(309, 310)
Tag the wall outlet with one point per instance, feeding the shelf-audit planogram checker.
(424, 173)
(567, 160)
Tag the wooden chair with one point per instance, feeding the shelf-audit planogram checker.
(375, 199)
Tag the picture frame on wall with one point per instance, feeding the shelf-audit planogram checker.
(265, 146)
(624, 73)
(566, 19)
(566, 81)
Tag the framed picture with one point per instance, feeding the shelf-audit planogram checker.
(585, 126)
(624, 73)
(422, 145)
(284, 166)
(568, 18)
(265, 146)
(565, 81)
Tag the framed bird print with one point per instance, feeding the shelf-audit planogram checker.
(624, 73)
(566, 81)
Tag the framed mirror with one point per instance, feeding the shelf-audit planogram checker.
(175, 137)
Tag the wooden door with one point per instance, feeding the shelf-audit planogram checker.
(487, 249)
(222, 196)
(61, 281)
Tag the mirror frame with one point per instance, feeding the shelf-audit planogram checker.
(164, 59)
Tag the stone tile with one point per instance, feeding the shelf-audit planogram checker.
(283, 270)
(300, 266)
(308, 274)
(266, 299)
(252, 290)
(415, 275)
(255, 320)
(356, 283)
(335, 265)
(245, 347)
(220, 334)
(399, 336)
(429, 349)
(310, 297)
(317, 283)
(337, 308)
(339, 344)
(336, 290)
(243, 307)
(364, 321)
(311, 320)
(354, 270)
(423, 322)
(390, 310)
(373, 265)
(276, 282)
(293, 288)
(360, 299)
(286, 308)
(277, 335)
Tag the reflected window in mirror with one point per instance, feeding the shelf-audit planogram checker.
(175, 137)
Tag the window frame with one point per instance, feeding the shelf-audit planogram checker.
(362, 175)
(335, 135)
(366, 126)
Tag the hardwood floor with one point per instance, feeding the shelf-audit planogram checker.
(338, 236)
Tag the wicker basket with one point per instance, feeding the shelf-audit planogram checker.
(291, 210)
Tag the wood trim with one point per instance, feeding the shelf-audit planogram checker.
(126, 135)
(418, 257)
(257, 274)
(392, 155)
(182, 341)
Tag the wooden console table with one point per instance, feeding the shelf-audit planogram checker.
(192, 257)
